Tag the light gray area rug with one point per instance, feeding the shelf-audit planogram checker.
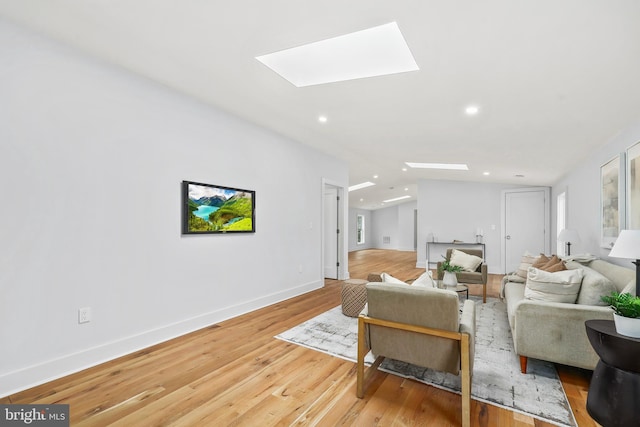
(496, 372)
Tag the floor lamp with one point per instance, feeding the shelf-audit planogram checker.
(628, 246)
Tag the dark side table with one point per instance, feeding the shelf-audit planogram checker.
(614, 392)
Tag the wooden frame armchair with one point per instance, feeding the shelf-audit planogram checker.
(478, 277)
(421, 326)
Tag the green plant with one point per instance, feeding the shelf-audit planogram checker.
(446, 266)
(624, 305)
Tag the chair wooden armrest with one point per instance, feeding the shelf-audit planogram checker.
(461, 337)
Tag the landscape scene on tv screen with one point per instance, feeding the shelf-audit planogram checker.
(215, 209)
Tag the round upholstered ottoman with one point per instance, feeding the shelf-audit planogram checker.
(354, 296)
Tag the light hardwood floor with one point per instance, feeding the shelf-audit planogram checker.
(236, 373)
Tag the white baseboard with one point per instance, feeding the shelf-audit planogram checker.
(31, 376)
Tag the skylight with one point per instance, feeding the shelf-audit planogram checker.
(361, 185)
(450, 166)
(376, 51)
(396, 199)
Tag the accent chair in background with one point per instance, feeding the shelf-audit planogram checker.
(477, 277)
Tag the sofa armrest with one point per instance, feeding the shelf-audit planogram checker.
(468, 325)
(556, 331)
(484, 271)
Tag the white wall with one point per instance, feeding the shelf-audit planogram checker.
(395, 222)
(406, 226)
(353, 230)
(583, 195)
(91, 160)
(455, 210)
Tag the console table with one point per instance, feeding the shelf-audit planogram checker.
(614, 392)
(467, 245)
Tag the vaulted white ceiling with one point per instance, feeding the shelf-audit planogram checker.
(554, 80)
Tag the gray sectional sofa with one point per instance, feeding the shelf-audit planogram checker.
(555, 331)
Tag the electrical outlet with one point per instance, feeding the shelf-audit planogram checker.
(84, 315)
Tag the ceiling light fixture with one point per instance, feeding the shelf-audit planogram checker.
(472, 110)
(361, 185)
(322, 119)
(486, 173)
(376, 51)
(449, 166)
(375, 176)
(396, 199)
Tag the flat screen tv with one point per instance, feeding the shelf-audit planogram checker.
(209, 209)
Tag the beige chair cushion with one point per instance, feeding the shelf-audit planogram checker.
(466, 261)
(561, 286)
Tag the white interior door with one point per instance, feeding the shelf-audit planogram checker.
(331, 235)
(525, 225)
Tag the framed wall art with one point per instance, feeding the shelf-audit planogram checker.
(611, 200)
(633, 187)
(211, 209)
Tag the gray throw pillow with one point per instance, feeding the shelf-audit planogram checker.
(594, 286)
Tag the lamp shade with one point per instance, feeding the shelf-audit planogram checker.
(568, 235)
(627, 245)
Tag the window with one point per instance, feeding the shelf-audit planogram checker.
(360, 229)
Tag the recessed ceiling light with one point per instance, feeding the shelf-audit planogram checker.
(375, 176)
(404, 169)
(396, 199)
(472, 110)
(322, 119)
(376, 51)
(486, 173)
(406, 189)
(450, 166)
(361, 185)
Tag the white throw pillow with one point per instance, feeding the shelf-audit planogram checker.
(464, 260)
(387, 278)
(560, 286)
(425, 281)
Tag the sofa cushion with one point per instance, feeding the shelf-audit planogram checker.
(540, 261)
(552, 265)
(560, 286)
(425, 281)
(594, 285)
(525, 263)
(559, 266)
(387, 278)
(464, 260)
